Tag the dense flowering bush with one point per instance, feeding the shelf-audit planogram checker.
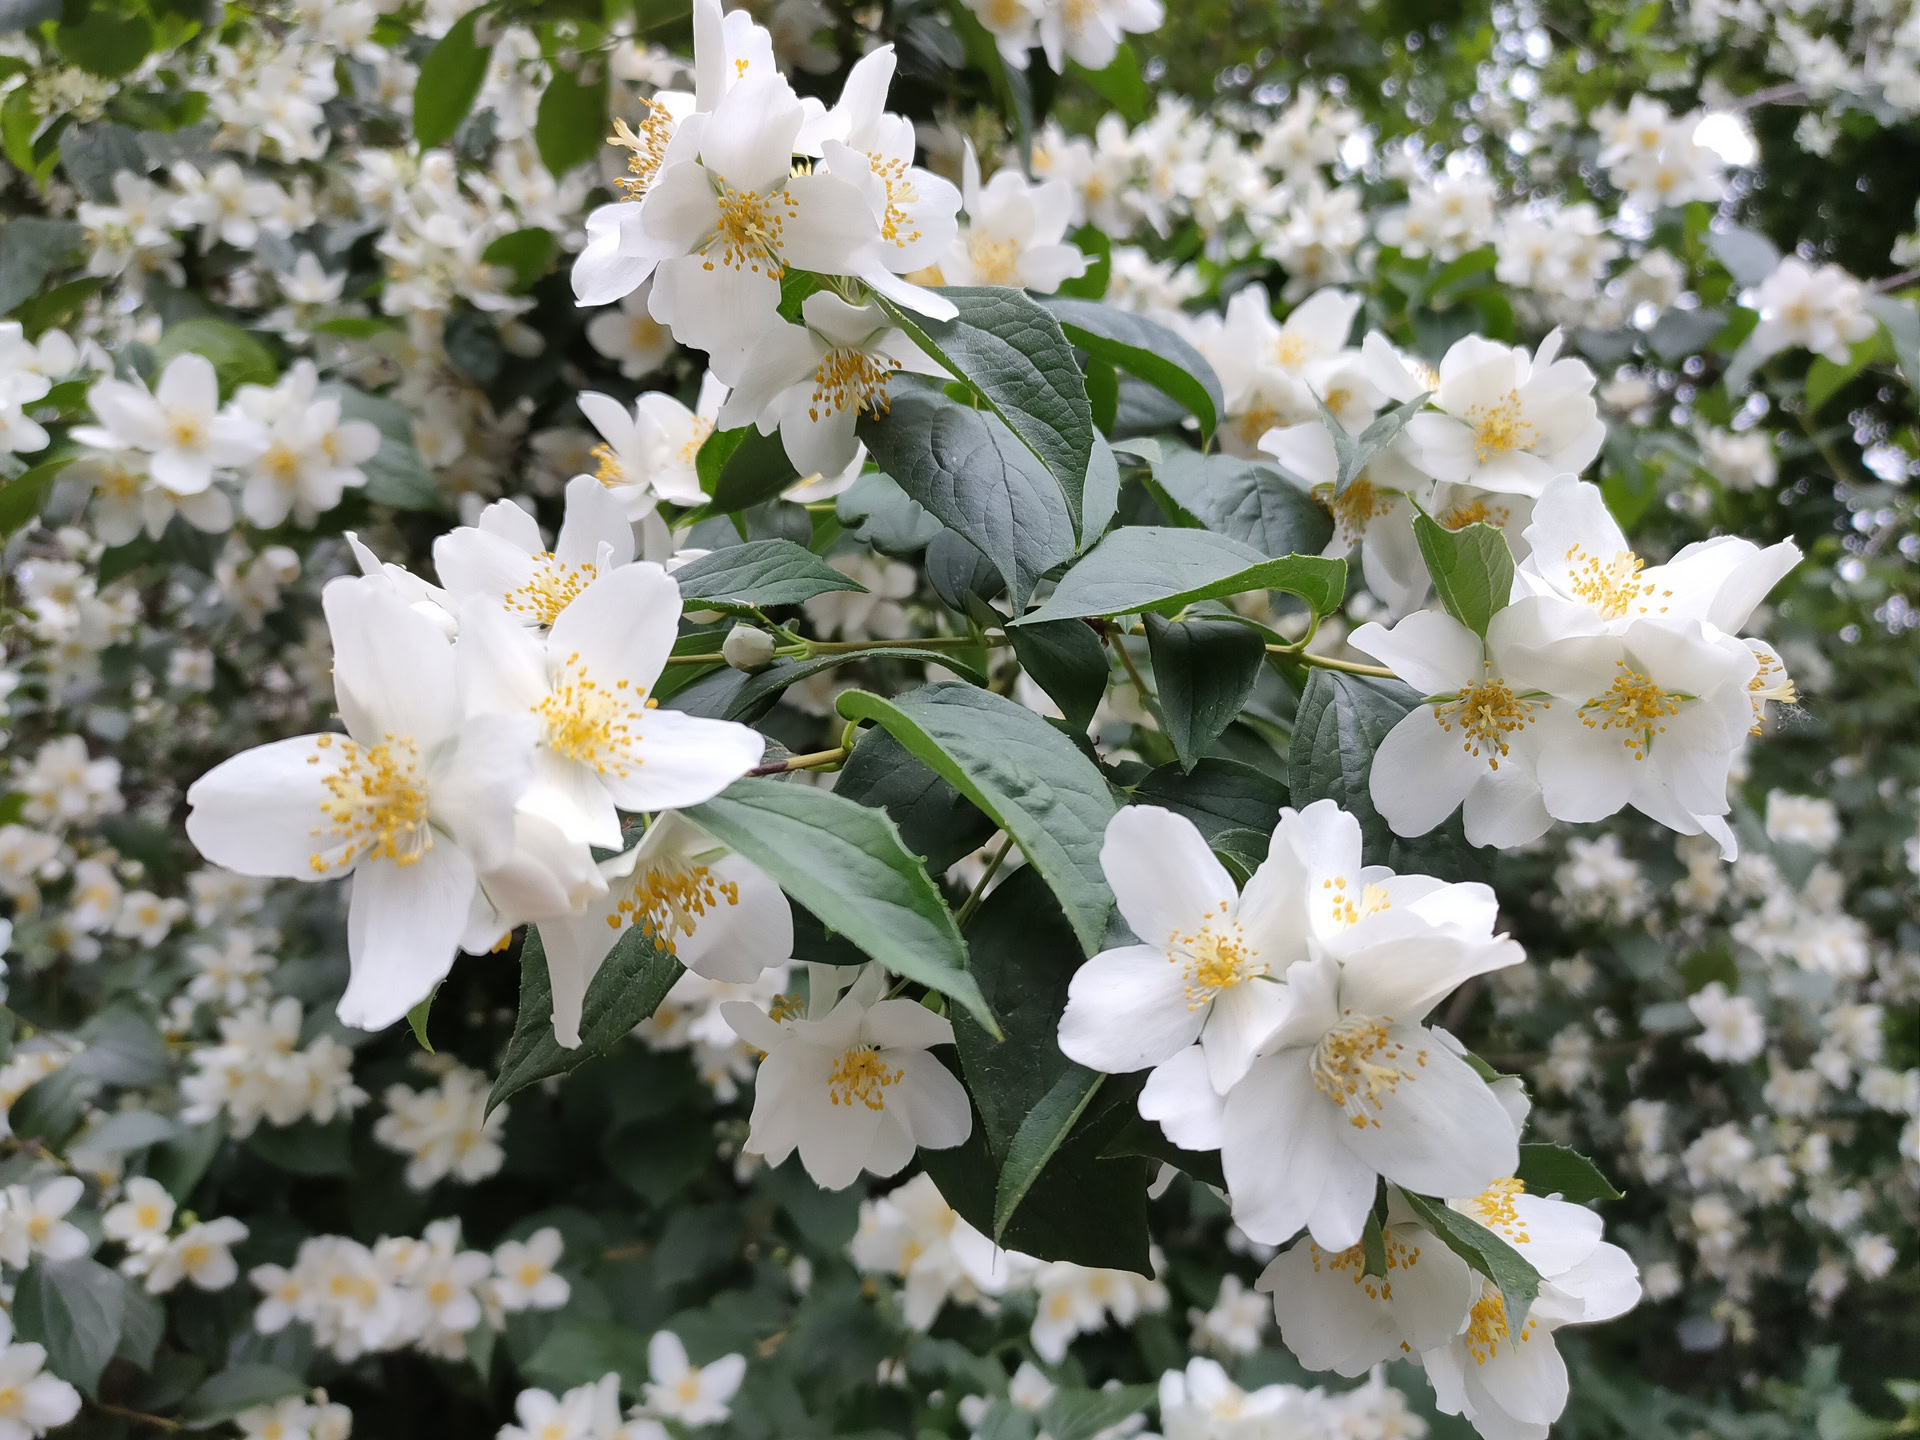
(820, 721)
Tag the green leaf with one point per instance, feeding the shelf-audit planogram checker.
(1066, 659)
(1680, 333)
(31, 249)
(74, 1308)
(238, 357)
(757, 692)
(396, 475)
(1012, 354)
(1029, 777)
(1563, 1171)
(142, 1328)
(571, 125)
(1250, 500)
(450, 80)
(1122, 87)
(1472, 569)
(579, 1353)
(877, 512)
(1204, 670)
(1146, 350)
(128, 1130)
(1150, 567)
(749, 469)
(967, 468)
(1373, 1242)
(106, 42)
(306, 1148)
(846, 864)
(1901, 317)
(93, 154)
(1353, 453)
(1748, 256)
(1826, 379)
(122, 1047)
(1083, 1414)
(758, 573)
(51, 1108)
(1040, 1135)
(629, 986)
(527, 253)
(25, 496)
(417, 1021)
(1216, 795)
(1517, 1281)
(936, 821)
(237, 1388)
(1094, 244)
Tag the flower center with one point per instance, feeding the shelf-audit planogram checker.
(749, 231)
(850, 380)
(530, 1274)
(668, 900)
(551, 588)
(186, 432)
(1477, 512)
(281, 463)
(896, 226)
(1770, 682)
(1214, 959)
(1494, 1208)
(998, 261)
(647, 147)
(688, 1388)
(861, 1075)
(1635, 704)
(1290, 351)
(1487, 1327)
(147, 1217)
(590, 722)
(1612, 587)
(1357, 1064)
(696, 437)
(1346, 910)
(611, 473)
(376, 805)
(1486, 715)
(1353, 1260)
(1500, 428)
(1360, 503)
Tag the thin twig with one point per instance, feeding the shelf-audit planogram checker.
(140, 1415)
(1327, 662)
(817, 759)
(972, 902)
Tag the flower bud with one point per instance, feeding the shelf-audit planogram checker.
(747, 648)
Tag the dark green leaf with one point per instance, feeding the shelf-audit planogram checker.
(106, 42)
(1250, 500)
(959, 574)
(93, 154)
(238, 357)
(967, 468)
(527, 253)
(1517, 1281)
(25, 496)
(50, 1109)
(74, 1308)
(1563, 1171)
(450, 80)
(1066, 659)
(237, 1388)
(305, 1148)
(629, 986)
(752, 468)
(1024, 773)
(1145, 1139)
(571, 125)
(1472, 569)
(1145, 349)
(1082, 1414)
(579, 1353)
(758, 573)
(936, 821)
(1204, 670)
(1902, 319)
(757, 691)
(1353, 453)
(1040, 1135)
(123, 1047)
(1218, 796)
(417, 1022)
(31, 249)
(1149, 567)
(846, 864)
(142, 1328)
(878, 512)
(1373, 1244)
(126, 1130)
(1012, 354)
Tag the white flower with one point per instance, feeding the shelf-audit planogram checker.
(1237, 1321)
(719, 914)
(142, 1219)
(630, 336)
(1015, 233)
(1509, 422)
(1734, 1031)
(912, 1232)
(34, 1222)
(445, 1130)
(604, 745)
(814, 382)
(853, 1089)
(1089, 34)
(1210, 961)
(414, 802)
(1822, 310)
(1808, 820)
(523, 1277)
(31, 1401)
(311, 457)
(289, 1419)
(691, 1394)
(200, 1253)
(502, 558)
(181, 426)
(1072, 1300)
(586, 1412)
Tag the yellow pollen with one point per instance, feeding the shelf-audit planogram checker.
(668, 899)
(589, 722)
(1214, 959)
(1290, 352)
(1357, 1064)
(440, 1292)
(40, 1226)
(1635, 704)
(552, 587)
(1001, 14)
(376, 807)
(998, 261)
(784, 1008)
(749, 231)
(850, 380)
(1770, 682)
(1494, 1208)
(1486, 714)
(1487, 1327)
(1613, 588)
(1477, 512)
(1359, 504)
(610, 472)
(186, 432)
(530, 1273)
(861, 1075)
(281, 463)
(147, 1217)
(1346, 910)
(1353, 1262)
(13, 1400)
(702, 428)
(648, 146)
(1500, 428)
(896, 226)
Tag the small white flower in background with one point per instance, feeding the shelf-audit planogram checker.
(717, 913)
(1236, 1322)
(1071, 1300)
(1734, 1031)
(586, 1412)
(1509, 422)
(871, 613)
(1201, 1401)
(1015, 233)
(18, 389)
(181, 426)
(851, 1085)
(1739, 460)
(445, 1130)
(652, 453)
(147, 918)
(1808, 820)
(312, 456)
(228, 975)
(33, 1222)
(201, 1254)
(523, 1274)
(32, 1402)
(812, 382)
(688, 1393)
(290, 1419)
(912, 1232)
(259, 1071)
(630, 336)
(142, 1218)
(1819, 309)
(414, 802)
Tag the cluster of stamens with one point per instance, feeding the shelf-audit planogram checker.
(997, 261)
(376, 805)
(1359, 503)
(1632, 703)
(668, 901)
(1487, 1327)
(1500, 428)
(1358, 1063)
(1348, 911)
(897, 225)
(1486, 714)
(1474, 512)
(749, 232)
(1353, 1261)
(590, 722)
(1214, 959)
(1770, 682)
(861, 1075)
(1494, 1207)
(648, 147)
(850, 380)
(551, 588)
(1611, 587)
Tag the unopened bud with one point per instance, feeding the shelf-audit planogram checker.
(747, 648)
